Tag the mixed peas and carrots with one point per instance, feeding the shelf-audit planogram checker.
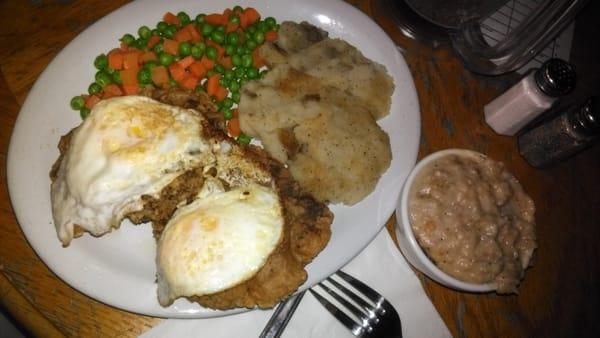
(216, 53)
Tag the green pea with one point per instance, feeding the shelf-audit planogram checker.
(240, 72)
(196, 52)
(162, 26)
(103, 78)
(224, 82)
(116, 78)
(158, 48)
(236, 97)
(252, 73)
(84, 112)
(94, 88)
(217, 36)
(233, 38)
(211, 73)
(246, 60)
(234, 19)
(236, 60)
(172, 83)
(165, 59)
(219, 68)
(230, 50)
(237, 9)
(271, 22)
(154, 31)
(185, 48)
(144, 32)
(220, 28)
(243, 82)
(170, 31)
(200, 18)
(244, 139)
(229, 75)
(227, 114)
(234, 87)
(251, 44)
(101, 62)
(184, 19)
(227, 103)
(251, 29)
(241, 50)
(211, 53)
(259, 37)
(128, 39)
(151, 64)
(77, 102)
(141, 44)
(207, 29)
(144, 76)
(262, 27)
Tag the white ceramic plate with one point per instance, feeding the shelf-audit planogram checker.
(118, 269)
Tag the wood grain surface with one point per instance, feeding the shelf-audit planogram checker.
(559, 296)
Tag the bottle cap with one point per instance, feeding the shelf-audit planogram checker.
(556, 77)
(588, 117)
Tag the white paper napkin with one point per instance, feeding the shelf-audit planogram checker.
(380, 265)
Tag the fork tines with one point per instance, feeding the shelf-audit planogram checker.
(363, 303)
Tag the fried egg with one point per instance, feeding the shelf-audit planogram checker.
(218, 241)
(127, 147)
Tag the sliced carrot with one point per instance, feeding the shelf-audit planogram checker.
(147, 56)
(236, 113)
(182, 35)
(131, 61)
(221, 93)
(257, 60)
(91, 101)
(129, 77)
(243, 20)
(186, 61)
(212, 85)
(196, 36)
(131, 89)
(177, 72)
(115, 60)
(189, 82)
(271, 36)
(215, 19)
(171, 46)
(112, 90)
(226, 62)
(197, 69)
(160, 76)
(251, 15)
(207, 63)
(233, 127)
(171, 19)
(227, 13)
(154, 39)
(231, 27)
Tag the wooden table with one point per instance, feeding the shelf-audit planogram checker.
(559, 296)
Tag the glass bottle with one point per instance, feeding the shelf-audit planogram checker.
(535, 93)
(563, 136)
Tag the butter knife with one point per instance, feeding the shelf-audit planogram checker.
(281, 316)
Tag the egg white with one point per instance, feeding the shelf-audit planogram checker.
(218, 241)
(127, 147)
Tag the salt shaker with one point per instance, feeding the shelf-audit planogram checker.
(565, 135)
(531, 96)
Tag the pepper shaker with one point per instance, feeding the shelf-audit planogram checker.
(563, 136)
(535, 93)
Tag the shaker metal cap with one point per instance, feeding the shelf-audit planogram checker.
(556, 77)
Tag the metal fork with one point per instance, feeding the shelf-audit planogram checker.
(373, 315)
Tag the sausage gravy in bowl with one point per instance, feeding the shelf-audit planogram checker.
(466, 222)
